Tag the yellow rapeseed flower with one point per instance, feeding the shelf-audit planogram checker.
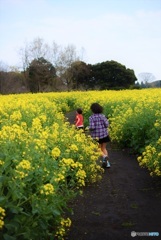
(47, 189)
(24, 164)
(1, 162)
(74, 148)
(1, 224)
(2, 215)
(36, 124)
(55, 152)
(16, 116)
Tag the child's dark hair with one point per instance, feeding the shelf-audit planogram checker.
(79, 110)
(96, 108)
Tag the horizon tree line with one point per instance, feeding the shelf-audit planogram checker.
(47, 68)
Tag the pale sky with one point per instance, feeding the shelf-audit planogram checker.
(126, 31)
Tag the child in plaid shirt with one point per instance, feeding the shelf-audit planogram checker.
(98, 126)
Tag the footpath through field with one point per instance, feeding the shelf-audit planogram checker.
(126, 202)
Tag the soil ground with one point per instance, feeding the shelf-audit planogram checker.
(127, 199)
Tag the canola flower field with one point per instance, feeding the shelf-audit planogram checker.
(45, 162)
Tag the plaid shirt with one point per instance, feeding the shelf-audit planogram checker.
(98, 124)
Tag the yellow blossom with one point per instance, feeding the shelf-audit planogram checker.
(1, 162)
(24, 164)
(2, 215)
(1, 224)
(47, 189)
(74, 147)
(55, 152)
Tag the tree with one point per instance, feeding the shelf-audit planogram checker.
(3, 75)
(146, 78)
(12, 82)
(112, 75)
(60, 57)
(67, 56)
(34, 50)
(41, 75)
(80, 74)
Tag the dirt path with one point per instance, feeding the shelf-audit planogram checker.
(127, 199)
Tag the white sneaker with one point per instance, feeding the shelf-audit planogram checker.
(108, 164)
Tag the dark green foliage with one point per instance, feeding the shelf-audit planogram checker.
(41, 75)
(111, 75)
(79, 73)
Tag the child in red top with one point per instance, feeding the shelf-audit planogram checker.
(79, 120)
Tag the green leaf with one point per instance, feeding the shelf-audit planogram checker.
(2, 178)
(7, 237)
(16, 210)
(56, 212)
(2, 200)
